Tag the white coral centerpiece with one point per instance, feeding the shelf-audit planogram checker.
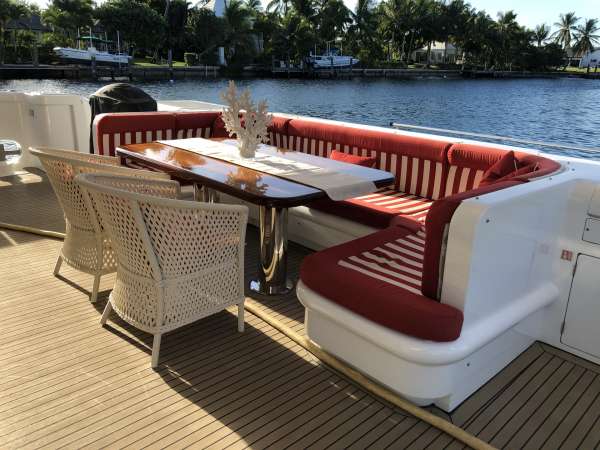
(246, 121)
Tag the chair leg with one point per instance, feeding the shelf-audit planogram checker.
(94, 295)
(155, 350)
(241, 317)
(58, 264)
(106, 313)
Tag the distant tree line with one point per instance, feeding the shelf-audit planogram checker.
(380, 34)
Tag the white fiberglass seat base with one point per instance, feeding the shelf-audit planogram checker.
(425, 372)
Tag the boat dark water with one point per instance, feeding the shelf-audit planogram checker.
(563, 111)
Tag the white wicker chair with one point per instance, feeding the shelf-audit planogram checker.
(86, 246)
(177, 261)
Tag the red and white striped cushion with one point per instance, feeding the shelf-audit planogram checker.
(109, 141)
(417, 176)
(396, 202)
(278, 140)
(462, 179)
(193, 132)
(398, 262)
(319, 147)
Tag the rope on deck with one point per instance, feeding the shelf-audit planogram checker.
(368, 384)
(31, 230)
(329, 360)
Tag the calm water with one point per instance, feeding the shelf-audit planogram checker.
(565, 111)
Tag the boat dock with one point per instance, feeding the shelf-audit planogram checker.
(145, 73)
(139, 73)
(413, 74)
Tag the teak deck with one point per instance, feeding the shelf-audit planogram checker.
(67, 382)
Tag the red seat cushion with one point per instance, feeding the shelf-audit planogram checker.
(468, 163)
(365, 161)
(500, 169)
(380, 209)
(379, 277)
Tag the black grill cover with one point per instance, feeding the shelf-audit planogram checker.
(119, 97)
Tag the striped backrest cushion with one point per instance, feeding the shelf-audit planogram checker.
(277, 131)
(466, 165)
(112, 130)
(461, 179)
(194, 124)
(418, 164)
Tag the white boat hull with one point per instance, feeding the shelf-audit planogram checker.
(336, 62)
(78, 56)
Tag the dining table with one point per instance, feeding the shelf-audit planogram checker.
(273, 194)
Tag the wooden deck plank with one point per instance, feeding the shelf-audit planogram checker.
(520, 413)
(246, 423)
(502, 416)
(488, 392)
(488, 414)
(387, 440)
(558, 414)
(229, 416)
(578, 408)
(360, 429)
(117, 377)
(116, 400)
(382, 428)
(584, 425)
(552, 402)
(323, 428)
(184, 417)
(336, 435)
(272, 419)
(313, 427)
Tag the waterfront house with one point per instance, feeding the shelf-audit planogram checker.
(441, 53)
(590, 59)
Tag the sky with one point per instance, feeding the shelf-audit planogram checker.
(529, 12)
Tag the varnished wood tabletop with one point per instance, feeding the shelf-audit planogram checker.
(242, 182)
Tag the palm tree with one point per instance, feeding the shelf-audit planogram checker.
(333, 19)
(9, 10)
(238, 32)
(508, 29)
(541, 33)
(254, 5)
(363, 31)
(585, 37)
(279, 6)
(566, 26)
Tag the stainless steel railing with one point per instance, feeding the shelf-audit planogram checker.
(493, 137)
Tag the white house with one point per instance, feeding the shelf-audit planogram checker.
(590, 59)
(441, 52)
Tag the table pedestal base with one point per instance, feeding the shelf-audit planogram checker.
(205, 194)
(272, 276)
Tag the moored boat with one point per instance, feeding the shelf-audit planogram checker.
(331, 60)
(90, 49)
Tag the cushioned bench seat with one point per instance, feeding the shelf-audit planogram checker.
(379, 277)
(381, 209)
